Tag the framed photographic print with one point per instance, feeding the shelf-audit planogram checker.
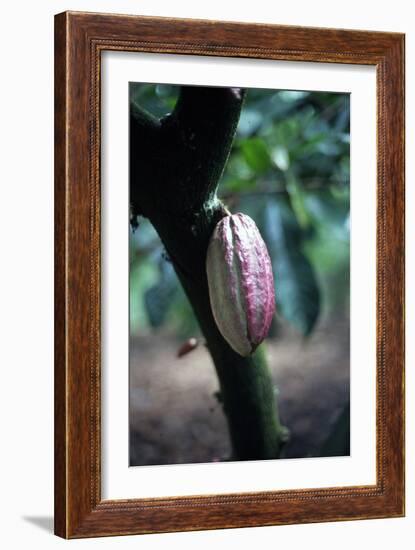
(229, 275)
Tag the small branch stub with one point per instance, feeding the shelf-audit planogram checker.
(241, 283)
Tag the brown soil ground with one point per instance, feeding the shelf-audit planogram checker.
(176, 418)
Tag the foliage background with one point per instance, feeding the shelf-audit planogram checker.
(288, 170)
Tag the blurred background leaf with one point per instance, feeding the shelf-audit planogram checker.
(159, 296)
(296, 287)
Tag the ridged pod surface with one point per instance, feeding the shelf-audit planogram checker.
(241, 284)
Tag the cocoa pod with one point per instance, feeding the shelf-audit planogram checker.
(241, 284)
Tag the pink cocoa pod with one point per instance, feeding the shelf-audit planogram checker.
(241, 284)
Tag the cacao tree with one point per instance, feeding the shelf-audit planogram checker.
(176, 163)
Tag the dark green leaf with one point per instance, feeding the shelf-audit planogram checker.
(296, 288)
(256, 154)
(338, 442)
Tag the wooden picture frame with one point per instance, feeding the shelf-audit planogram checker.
(79, 40)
